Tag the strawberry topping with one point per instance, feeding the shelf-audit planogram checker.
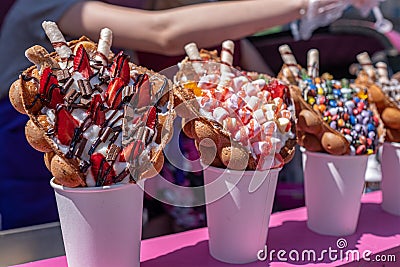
(81, 62)
(102, 171)
(120, 68)
(114, 93)
(66, 125)
(49, 89)
(132, 151)
(276, 89)
(142, 97)
(95, 111)
(151, 118)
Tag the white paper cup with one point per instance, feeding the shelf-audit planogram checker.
(101, 226)
(239, 205)
(390, 185)
(333, 188)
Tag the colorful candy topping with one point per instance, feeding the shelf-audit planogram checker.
(345, 109)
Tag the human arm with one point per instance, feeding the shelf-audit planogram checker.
(167, 31)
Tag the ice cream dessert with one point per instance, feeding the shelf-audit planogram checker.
(98, 118)
(334, 116)
(239, 120)
(384, 92)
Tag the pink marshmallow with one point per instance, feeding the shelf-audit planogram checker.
(220, 114)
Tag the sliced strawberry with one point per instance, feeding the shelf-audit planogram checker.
(82, 63)
(120, 68)
(276, 89)
(132, 151)
(95, 111)
(114, 93)
(102, 172)
(49, 89)
(65, 126)
(142, 97)
(151, 117)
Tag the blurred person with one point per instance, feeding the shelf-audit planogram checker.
(25, 195)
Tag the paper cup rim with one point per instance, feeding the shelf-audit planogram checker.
(327, 155)
(91, 188)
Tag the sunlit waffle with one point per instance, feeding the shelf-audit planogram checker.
(239, 120)
(334, 116)
(98, 118)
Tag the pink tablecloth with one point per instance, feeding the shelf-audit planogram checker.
(378, 232)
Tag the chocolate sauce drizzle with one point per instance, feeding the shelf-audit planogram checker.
(108, 130)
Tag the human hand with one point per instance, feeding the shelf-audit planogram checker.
(321, 13)
(365, 6)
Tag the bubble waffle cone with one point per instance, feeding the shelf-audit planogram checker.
(334, 117)
(233, 128)
(98, 118)
(383, 92)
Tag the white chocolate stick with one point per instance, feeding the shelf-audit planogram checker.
(313, 63)
(289, 59)
(382, 71)
(366, 64)
(228, 48)
(103, 48)
(57, 39)
(193, 53)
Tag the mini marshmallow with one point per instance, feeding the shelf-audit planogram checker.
(262, 148)
(220, 114)
(244, 115)
(283, 124)
(270, 107)
(242, 94)
(259, 84)
(253, 103)
(234, 102)
(250, 89)
(207, 102)
(285, 114)
(264, 96)
(208, 81)
(242, 135)
(222, 93)
(259, 116)
(278, 102)
(269, 128)
(254, 128)
(238, 82)
(270, 115)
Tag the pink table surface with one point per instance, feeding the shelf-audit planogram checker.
(377, 231)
